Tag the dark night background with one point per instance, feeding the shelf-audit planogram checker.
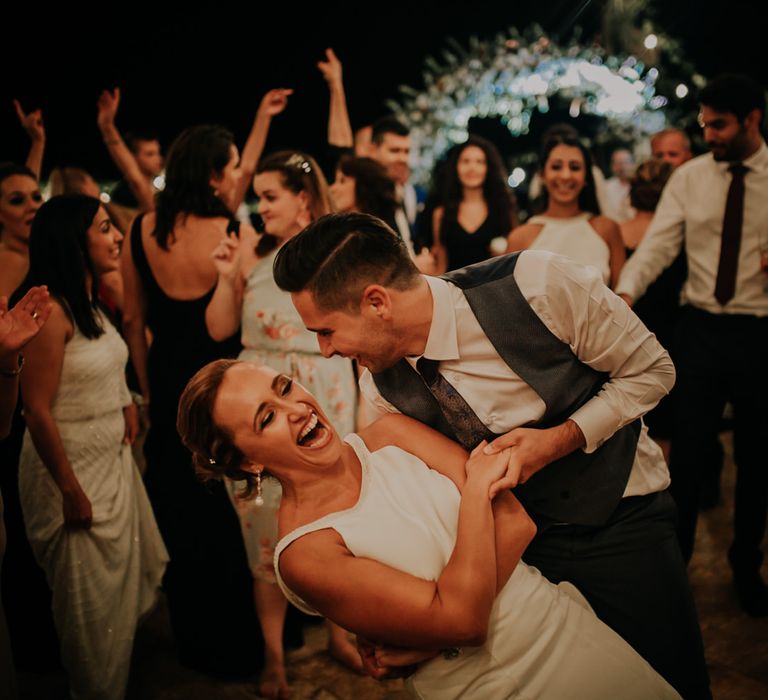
(213, 64)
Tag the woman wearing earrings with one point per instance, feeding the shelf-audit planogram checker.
(292, 192)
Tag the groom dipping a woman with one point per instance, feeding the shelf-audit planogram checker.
(531, 363)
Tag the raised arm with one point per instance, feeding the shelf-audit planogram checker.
(272, 104)
(39, 385)
(32, 123)
(232, 258)
(339, 127)
(125, 161)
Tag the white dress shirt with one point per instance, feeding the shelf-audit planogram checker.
(692, 208)
(617, 206)
(577, 307)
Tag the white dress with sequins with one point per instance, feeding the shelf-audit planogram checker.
(106, 578)
(543, 640)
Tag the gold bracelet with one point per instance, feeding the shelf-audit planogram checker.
(12, 373)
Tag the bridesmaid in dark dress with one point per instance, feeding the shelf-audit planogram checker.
(659, 307)
(477, 207)
(169, 280)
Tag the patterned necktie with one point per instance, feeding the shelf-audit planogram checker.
(467, 427)
(725, 285)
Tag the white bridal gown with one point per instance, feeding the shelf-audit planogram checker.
(105, 578)
(543, 640)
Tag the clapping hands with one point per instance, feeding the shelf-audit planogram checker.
(21, 323)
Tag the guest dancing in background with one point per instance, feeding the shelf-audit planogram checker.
(169, 279)
(292, 193)
(87, 514)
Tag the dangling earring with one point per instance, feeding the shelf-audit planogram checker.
(259, 499)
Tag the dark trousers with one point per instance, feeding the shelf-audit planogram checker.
(632, 574)
(722, 358)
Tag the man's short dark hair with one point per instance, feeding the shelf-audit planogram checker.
(134, 139)
(733, 93)
(387, 125)
(338, 255)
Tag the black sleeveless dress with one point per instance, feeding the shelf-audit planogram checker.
(208, 583)
(465, 248)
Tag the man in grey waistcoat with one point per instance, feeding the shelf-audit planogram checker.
(534, 353)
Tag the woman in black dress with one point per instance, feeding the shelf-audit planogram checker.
(477, 207)
(169, 280)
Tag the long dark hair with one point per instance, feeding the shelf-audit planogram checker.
(59, 258)
(374, 189)
(195, 156)
(299, 172)
(588, 194)
(498, 197)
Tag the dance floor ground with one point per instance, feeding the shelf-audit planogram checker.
(736, 645)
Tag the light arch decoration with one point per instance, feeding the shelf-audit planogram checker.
(511, 77)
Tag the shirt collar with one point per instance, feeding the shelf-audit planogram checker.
(757, 162)
(442, 342)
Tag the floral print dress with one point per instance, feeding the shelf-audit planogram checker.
(273, 334)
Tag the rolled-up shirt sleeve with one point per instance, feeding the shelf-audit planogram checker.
(604, 333)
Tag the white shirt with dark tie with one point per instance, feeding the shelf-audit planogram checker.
(691, 210)
(577, 307)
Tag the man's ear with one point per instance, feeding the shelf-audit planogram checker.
(376, 301)
(753, 119)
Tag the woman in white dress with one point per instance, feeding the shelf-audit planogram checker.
(570, 223)
(87, 515)
(375, 539)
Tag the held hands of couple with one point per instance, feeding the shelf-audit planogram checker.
(528, 450)
(382, 662)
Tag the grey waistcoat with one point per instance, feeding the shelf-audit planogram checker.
(581, 488)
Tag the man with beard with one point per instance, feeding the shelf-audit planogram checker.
(716, 205)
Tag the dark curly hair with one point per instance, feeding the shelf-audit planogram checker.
(499, 198)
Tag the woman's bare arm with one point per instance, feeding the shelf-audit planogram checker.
(393, 607)
(134, 314)
(39, 385)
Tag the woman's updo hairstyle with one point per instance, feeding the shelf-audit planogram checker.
(214, 454)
